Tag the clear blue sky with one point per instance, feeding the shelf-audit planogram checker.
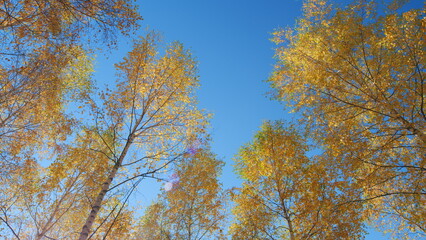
(230, 39)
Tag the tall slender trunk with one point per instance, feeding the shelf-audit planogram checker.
(84, 234)
(291, 229)
(287, 217)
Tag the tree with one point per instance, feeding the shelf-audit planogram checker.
(287, 195)
(193, 207)
(49, 202)
(41, 39)
(151, 225)
(146, 123)
(357, 75)
(132, 132)
(44, 64)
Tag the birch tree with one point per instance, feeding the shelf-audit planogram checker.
(193, 204)
(357, 75)
(286, 194)
(146, 123)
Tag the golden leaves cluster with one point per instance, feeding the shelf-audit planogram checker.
(194, 208)
(286, 194)
(45, 66)
(357, 75)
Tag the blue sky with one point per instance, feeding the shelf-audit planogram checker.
(230, 40)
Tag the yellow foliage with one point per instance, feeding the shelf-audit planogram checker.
(357, 75)
(194, 207)
(285, 194)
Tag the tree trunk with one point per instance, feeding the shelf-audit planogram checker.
(84, 234)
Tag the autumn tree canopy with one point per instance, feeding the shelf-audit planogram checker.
(44, 63)
(132, 132)
(357, 75)
(193, 206)
(288, 195)
(72, 155)
(150, 119)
